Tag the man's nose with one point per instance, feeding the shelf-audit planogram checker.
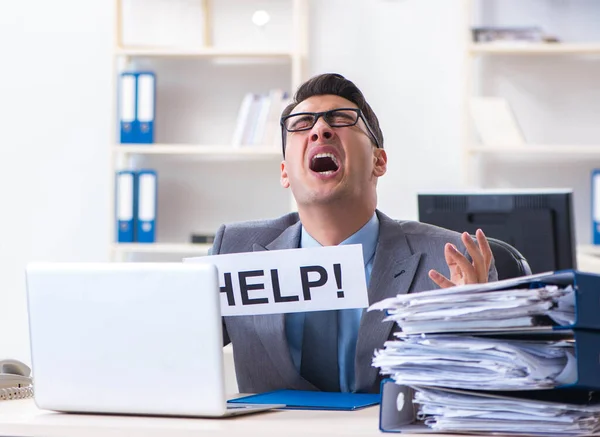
(321, 130)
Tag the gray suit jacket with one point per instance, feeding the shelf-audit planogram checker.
(406, 251)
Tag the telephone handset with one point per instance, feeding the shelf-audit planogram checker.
(15, 380)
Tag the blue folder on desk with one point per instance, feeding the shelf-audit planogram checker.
(313, 400)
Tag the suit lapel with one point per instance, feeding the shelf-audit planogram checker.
(271, 327)
(394, 268)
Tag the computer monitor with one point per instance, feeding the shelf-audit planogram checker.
(538, 223)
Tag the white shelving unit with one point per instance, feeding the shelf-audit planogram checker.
(161, 248)
(471, 148)
(555, 159)
(125, 155)
(565, 153)
(203, 52)
(206, 151)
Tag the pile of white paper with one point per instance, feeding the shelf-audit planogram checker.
(464, 412)
(484, 340)
(478, 363)
(476, 308)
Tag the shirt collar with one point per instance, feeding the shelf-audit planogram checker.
(367, 236)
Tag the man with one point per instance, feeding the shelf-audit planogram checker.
(333, 157)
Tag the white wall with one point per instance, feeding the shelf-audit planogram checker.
(55, 94)
(556, 99)
(406, 56)
(410, 74)
(55, 125)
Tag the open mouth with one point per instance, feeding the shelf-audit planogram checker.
(324, 163)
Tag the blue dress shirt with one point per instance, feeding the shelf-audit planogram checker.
(348, 320)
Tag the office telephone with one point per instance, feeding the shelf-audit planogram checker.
(15, 380)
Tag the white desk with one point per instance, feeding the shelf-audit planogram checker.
(23, 418)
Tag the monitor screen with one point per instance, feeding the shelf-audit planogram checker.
(539, 224)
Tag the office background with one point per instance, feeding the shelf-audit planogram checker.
(408, 56)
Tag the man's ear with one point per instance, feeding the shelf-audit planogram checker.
(284, 180)
(380, 162)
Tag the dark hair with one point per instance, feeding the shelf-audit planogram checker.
(338, 85)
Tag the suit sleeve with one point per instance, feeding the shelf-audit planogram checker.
(215, 250)
(216, 247)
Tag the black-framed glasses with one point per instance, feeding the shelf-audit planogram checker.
(339, 117)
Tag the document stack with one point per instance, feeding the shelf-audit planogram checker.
(516, 357)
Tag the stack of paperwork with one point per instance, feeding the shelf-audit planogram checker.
(453, 412)
(477, 363)
(477, 309)
(518, 357)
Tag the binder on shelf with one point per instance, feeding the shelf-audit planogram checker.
(146, 206)
(137, 96)
(146, 92)
(125, 205)
(127, 103)
(595, 206)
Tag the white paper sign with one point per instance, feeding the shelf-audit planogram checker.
(290, 281)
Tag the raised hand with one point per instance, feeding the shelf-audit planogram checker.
(463, 271)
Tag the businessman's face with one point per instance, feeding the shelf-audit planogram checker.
(325, 164)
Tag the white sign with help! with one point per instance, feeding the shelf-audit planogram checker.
(290, 281)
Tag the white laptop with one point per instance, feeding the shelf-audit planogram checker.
(128, 338)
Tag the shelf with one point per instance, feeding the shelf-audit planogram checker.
(219, 152)
(201, 52)
(229, 62)
(535, 49)
(184, 248)
(573, 153)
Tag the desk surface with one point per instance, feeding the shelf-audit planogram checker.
(23, 418)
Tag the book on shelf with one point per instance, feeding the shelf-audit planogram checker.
(511, 35)
(257, 122)
(495, 122)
